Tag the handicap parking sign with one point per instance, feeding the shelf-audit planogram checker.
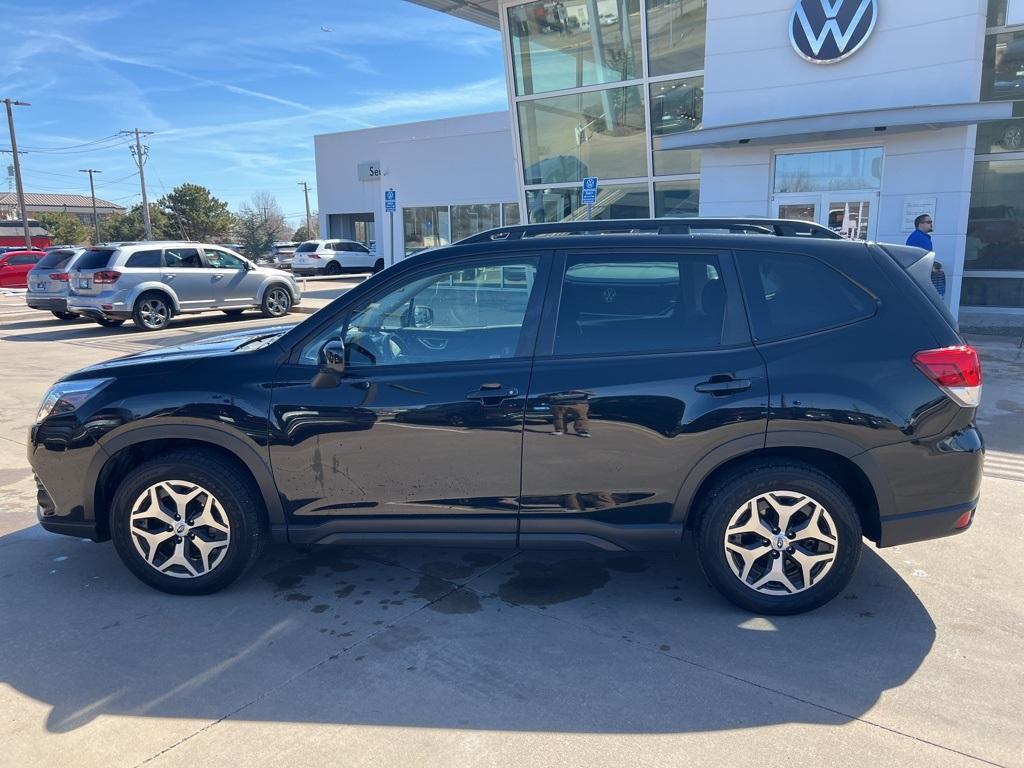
(390, 200)
(590, 190)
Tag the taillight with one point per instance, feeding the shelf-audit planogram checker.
(314, 256)
(61, 276)
(106, 277)
(955, 370)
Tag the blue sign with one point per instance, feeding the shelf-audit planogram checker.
(390, 201)
(590, 190)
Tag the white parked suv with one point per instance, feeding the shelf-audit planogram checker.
(151, 282)
(332, 257)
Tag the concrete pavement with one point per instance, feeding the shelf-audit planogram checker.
(457, 657)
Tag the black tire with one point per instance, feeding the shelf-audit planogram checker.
(232, 312)
(110, 322)
(233, 490)
(64, 315)
(153, 311)
(332, 268)
(729, 495)
(277, 301)
(378, 266)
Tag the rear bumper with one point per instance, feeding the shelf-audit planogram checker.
(47, 303)
(930, 524)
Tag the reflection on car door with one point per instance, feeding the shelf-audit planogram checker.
(186, 274)
(644, 364)
(423, 433)
(232, 285)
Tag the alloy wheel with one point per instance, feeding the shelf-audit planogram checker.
(278, 302)
(180, 529)
(781, 543)
(154, 313)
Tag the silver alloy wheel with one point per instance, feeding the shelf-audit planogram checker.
(180, 529)
(781, 543)
(278, 301)
(155, 313)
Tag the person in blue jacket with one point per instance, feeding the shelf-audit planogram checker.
(921, 236)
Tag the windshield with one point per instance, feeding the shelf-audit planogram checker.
(306, 247)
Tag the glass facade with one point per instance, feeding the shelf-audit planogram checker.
(994, 254)
(825, 171)
(432, 226)
(591, 96)
(595, 133)
(557, 46)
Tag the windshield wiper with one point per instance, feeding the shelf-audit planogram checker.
(261, 337)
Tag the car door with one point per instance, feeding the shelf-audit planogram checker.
(423, 433)
(7, 272)
(644, 366)
(231, 282)
(14, 273)
(185, 272)
(357, 255)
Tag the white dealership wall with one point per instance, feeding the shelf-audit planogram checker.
(456, 160)
(921, 52)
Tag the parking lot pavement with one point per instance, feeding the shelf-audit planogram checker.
(456, 657)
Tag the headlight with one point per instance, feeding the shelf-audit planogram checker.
(66, 396)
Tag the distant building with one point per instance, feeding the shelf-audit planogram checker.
(12, 234)
(36, 203)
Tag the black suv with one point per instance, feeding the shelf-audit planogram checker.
(777, 398)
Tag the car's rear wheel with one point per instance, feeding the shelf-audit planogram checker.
(277, 301)
(378, 266)
(332, 268)
(64, 315)
(152, 312)
(110, 322)
(232, 312)
(778, 537)
(187, 523)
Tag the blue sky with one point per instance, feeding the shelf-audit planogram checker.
(235, 91)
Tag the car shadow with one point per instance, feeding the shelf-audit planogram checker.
(464, 639)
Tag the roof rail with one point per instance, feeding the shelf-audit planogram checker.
(666, 226)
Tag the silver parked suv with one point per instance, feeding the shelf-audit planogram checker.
(151, 282)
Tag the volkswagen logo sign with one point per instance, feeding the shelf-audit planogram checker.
(827, 31)
(609, 295)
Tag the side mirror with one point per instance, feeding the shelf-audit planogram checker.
(332, 365)
(422, 317)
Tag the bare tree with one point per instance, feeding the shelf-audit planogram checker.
(258, 224)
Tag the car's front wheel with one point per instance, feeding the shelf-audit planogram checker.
(187, 523)
(277, 301)
(778, 537)
(152, 312)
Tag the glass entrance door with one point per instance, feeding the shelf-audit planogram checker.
(852, 214)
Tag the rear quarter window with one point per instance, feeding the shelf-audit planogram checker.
(793, 295)
(306, 248)
(144, 260)
(96, 258)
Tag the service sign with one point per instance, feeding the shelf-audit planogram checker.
(370, 171)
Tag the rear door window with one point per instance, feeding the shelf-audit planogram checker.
(94, 258)
(183, 258)
(144, 260)
(645, 303)
(20, 261)
(792, 295)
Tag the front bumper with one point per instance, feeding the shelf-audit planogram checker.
(47, 303)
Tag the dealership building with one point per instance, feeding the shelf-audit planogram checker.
(857, 114)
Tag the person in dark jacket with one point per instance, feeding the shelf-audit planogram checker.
(922, 234)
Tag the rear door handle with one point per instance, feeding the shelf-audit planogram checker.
(723, 386)
(217, 277)
(169, 276)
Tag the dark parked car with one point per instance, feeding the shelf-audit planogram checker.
(774, 398)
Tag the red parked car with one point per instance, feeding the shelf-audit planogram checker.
(15, 266)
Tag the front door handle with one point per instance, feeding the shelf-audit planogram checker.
(723, 385)
(218, 277)
(492, 394)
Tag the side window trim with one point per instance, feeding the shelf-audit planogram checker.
(531, 320)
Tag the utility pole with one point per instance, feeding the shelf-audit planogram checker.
(17, 167)
(305, 188)
(92, 191)
(140, 154)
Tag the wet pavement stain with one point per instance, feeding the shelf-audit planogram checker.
(544, 584)
(320, 608)
(345, 591)
(430, 589)
(481, 559)
(664, 647)
(298, 597)
(628, 564)
(449, 571)
(461, 601)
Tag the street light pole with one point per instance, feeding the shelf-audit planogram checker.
(17, 167)
(92, 191)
